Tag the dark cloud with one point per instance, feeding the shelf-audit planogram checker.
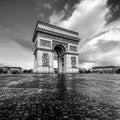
(113, 3)
(22, 41)
(44, 8)
(60, 4)
(15, 12)
(114, 13)
(47, 7)
(67, 6)
(25, 44)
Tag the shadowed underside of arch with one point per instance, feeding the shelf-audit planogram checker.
(59, 49)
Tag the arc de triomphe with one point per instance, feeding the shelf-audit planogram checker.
(49, 39)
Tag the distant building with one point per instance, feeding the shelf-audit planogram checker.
(4, 69)
(15, 70)
(105, 69)
(11, 70)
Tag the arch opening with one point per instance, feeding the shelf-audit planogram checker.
(59, 58)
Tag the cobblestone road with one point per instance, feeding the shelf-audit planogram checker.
(27, 100)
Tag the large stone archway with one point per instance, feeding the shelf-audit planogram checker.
(47, 39)
(60, 50)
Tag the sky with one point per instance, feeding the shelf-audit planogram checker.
(96, 21)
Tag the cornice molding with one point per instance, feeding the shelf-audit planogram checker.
(56, 27)
(71, 53)
(58, 34)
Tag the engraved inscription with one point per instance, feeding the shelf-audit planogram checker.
(45, 43)
(73, 62)
(45, 60)
(73, 48)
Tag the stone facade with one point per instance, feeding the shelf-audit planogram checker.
(48, 39)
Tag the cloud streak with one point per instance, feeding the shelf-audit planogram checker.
(21, 37)
(16, 47)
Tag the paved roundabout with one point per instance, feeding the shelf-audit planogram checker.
(69, 97)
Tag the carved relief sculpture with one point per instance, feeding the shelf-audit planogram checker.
(73, 62)
(73, 48)
(45, 43)
(45, 60)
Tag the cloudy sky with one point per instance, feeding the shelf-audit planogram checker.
(96, 21)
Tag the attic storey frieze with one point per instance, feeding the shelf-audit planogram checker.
(57, 34)
(57, 38)
(57, 30)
